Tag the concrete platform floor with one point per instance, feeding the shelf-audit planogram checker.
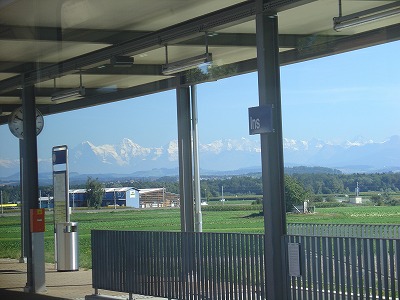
(60, 285)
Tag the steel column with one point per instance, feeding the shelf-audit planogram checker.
(30, 186)
(198, 219)
(185, 159)
(24, 228)
(272, 153)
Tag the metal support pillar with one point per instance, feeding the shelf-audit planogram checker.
(35, 242)
(272, 154)
(24, 228)
(198, 219)
(185, 159)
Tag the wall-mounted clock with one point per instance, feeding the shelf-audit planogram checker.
(16, 123)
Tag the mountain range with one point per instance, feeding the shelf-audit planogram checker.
(128, 157)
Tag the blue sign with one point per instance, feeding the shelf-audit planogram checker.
(60, 157)
(260, 119)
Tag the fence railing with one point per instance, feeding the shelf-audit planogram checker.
(178, 265)
(346, 268)
(345, 230)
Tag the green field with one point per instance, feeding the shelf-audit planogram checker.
(243, 220)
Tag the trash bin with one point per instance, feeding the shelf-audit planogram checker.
(67, 246)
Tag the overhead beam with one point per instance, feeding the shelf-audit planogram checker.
(321, 48)
(104, 36)
(56, 34)
(47, 92)
(249, 40)
(105, 69)
(135, 69)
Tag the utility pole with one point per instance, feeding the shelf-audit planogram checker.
(1, 196)
(115, 200)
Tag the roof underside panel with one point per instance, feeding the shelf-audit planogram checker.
(62, 45)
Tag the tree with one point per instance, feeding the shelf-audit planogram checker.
(295, 194)
(377, 199)
(330, 198)
(94, 192)
(317, 198)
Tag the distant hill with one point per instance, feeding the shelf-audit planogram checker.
(311, 170)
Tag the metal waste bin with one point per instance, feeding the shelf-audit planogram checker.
(67, 246)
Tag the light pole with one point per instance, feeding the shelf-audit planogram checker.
(115, 200)
(1, 196)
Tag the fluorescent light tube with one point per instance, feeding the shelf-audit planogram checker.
(78, 92)
(186, 64)
(122, 61)
(366, 16)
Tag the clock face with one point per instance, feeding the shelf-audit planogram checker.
(16, 123)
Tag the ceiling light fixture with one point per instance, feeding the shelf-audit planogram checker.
(122, 61)
(366, 16)
(70, 93)
(187, 63)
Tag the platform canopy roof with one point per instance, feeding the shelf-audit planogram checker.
(118, 49)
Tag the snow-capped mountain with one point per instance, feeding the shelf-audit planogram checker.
(373, 156)
(127, 157)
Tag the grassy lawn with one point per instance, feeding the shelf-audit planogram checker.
(245, 221)
(351, 215)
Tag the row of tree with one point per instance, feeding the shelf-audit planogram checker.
(347, 183)
(319, 184)
(296, 184)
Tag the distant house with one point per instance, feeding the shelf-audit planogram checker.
(356, 200)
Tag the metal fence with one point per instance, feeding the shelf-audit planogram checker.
(178, 265)
(345, 230)
(346, 268)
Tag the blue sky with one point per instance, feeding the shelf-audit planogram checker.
(335, 98)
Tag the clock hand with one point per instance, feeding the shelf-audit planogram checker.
(18, 118)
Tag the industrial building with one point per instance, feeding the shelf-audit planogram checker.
(158, 197)
(128, 196)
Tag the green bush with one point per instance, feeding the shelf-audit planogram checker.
(257, 202)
